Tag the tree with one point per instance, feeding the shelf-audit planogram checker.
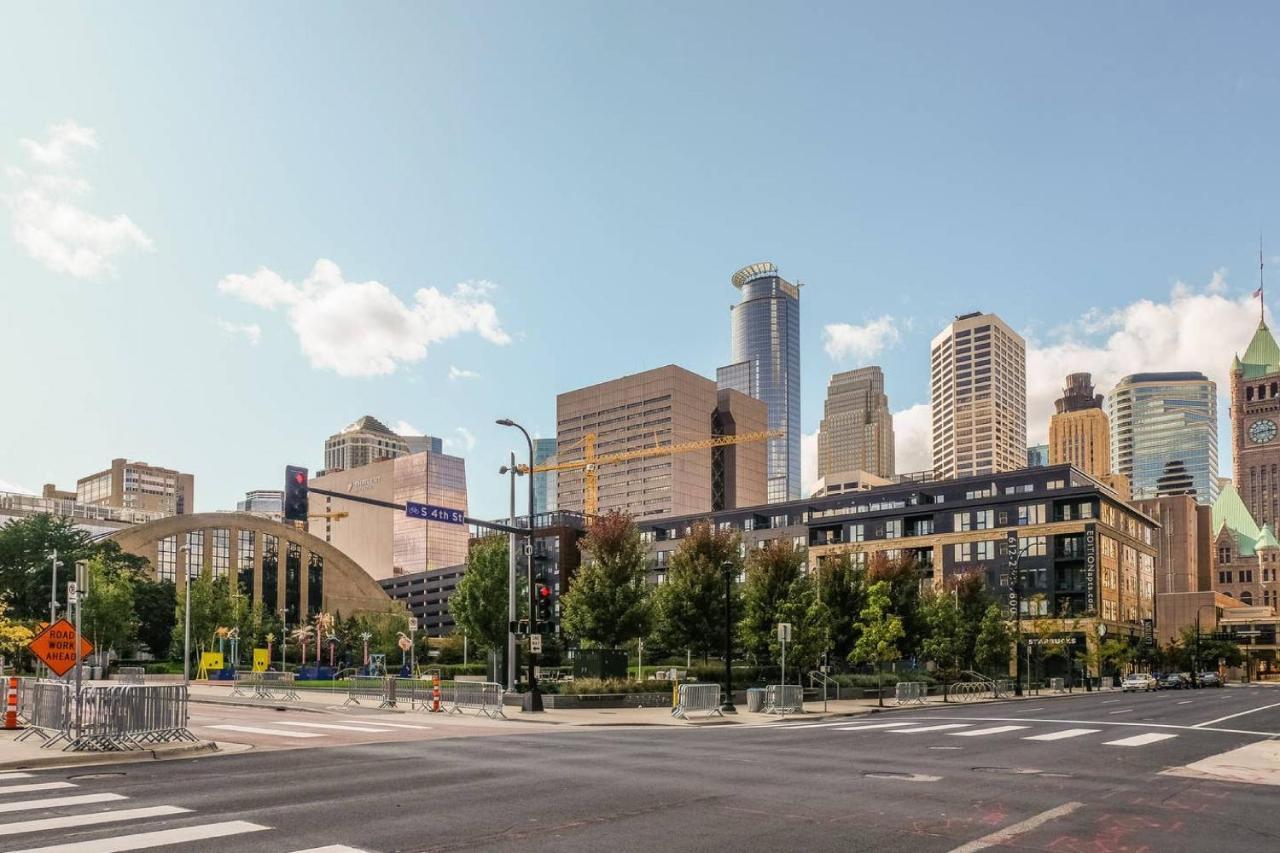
(211, 608)
(479, 604)
(902, 575)
(839, 596)
(107, 615)
(778, 590)
(14, 636)
(608, 603)
(994, 640)
(690, 604)
(154, 603)
(972, 597)
(1207, 654)
(942, 642)
(881, 631)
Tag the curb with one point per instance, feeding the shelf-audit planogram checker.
(68, 759)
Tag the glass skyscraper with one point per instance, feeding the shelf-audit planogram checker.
(766, 365)
(544, 483)
(1164, 434)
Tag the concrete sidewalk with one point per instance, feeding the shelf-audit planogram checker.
(27, 754)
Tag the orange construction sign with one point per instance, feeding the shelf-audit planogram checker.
(56, 647)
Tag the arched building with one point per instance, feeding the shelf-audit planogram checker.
(285, 568)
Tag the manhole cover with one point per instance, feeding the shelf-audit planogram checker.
(1013, 771)
(96, 775)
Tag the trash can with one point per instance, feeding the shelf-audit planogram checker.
(755, 700)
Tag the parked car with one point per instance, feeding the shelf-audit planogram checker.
(1174, 681)
(1210, 679)
(1139, 681)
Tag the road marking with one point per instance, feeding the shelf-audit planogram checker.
(331, 848)
(1143, 725)
(943, 727)
(1001, 836)
(994, 730)
(144, 840)
(254, 730)
(1185, 702)
(1233, 716)
(1108, 701)
(336, 727)
(1140, 740)
(1121, 711)
(381, 723)
(874, 726)
(35, 786)
(8, 777)
(42, 824)
(56, 802)
(1062, 735)
(804, 725)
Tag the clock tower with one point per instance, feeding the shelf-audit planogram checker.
(1255, 426)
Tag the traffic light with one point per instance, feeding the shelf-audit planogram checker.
(295, 493)
(542, 600)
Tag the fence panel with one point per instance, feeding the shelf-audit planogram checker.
(132, 674)
(910, 692)
(783, 698)
(697, 698)
(484, 697)
(110, 717)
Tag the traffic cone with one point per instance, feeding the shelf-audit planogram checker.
(11, 703)
(435, 693)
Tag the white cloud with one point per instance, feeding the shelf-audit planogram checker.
(462, 443)
(809, 462)
(913, 439)
(456, 373)
(251, 332)
(860, 343)
(362, 328)
(406, 428)
(48, 220)
(7, 486)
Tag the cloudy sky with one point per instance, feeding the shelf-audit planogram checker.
(229, 230)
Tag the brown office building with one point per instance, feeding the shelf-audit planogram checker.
(664, 406)
(136, 486)
(1080, 434)
(1184, 542)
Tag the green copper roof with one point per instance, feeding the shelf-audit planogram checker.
(1229, 511)
(1266, 539)
(1263, 355)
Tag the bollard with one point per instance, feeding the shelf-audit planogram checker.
(435, 694)
(11, 703)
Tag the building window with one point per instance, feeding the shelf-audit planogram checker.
(1246, 576)
(221, 552)
(985, 550)
(315, 584)
(1033, 546)
(963, 552)
(960, 521)
(893, 528)
(292, 581)
(1032, 514)
(270, 573)
(857, 533)
(195, 553)
(167, 559)
(1224, 555)
(984, 519)
(1224, 577)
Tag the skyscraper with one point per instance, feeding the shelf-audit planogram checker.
(1255, 411)
(544, 482)
(766, 365)
(1080, 433)
(978, 396)
(369, 440)
(856, 432)
(1164, 434)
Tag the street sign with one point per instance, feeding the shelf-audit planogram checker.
(535, 644)
(784, 632)
(55, 646)
(428, 512)
(413, 623)
(72, 596)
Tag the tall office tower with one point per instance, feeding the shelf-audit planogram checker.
(369, 440)
(1255, 412)
(1164, 434)
(544, 482)
(856, 432)
(978, 395)
(667, 405)
(766, 365)
(1080, 433)
(1037, 456)
(137, 486)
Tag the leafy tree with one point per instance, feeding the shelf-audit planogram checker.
(479, 604)
(994, 642)
(690, 604)
(154, 604)
(1210, 651)
(972, 597)
(903, 578)
(107, 615)
(608, 603)
(778, 590)
(211, 608)
(838, 598)
(881, 632)
(14, 636)
(942, 644)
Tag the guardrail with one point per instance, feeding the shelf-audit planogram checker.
(484, 697)
(697, 698)
(824, 681)
(108, 717)
(910, 692)
(783, 699)
(370, 688)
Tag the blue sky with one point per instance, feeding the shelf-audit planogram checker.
(591, 174)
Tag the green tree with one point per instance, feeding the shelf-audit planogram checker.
(839, 595)
(608, 603)
(690, 605)
(881, 632)
(14, 636)
(972, 597)
(778, 590)
(1210, 651)
(902, 574)
(211, 608)
(479, 604)
(107, 616)
(154, 603)
(993, 643)
(942, 642)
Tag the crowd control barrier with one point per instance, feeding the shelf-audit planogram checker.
(1058, 685)
(697, 698)
(131, 674)
(910, 692)
(483, 697)
(370, 689)
(783, 699)
(108, 717)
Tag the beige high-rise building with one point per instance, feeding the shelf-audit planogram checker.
(1080, 434)
(137, 486)
(667, 405)
(369, 440)
(978, 396)
(856, 432)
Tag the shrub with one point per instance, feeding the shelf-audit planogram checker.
(612, 685)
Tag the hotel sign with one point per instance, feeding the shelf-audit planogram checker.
(1091, 569)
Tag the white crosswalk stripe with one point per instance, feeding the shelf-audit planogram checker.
(384, 723)
(1140, 740)
(91, 819)
(335, 727)
(994, 730)
(256, 730)
(940, 728)
(1063, 735)
(9, 777)
(159, 838)
(331, 848)
(872, 726)
(34, 786)
(60, 802)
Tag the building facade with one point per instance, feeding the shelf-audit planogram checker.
(389, 543)
(1246, 555)
(1164, 434)
(369, 440)
(267, 502)
(765, 364)
(978, 397)
(856, 432)
(544, 482)
(1255, 413)
(136, 486)
(665, 406)
(1080, 434)
(92, 518)
(1184, 542)
(1037, 455)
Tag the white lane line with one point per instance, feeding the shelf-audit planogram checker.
(1063, 735)
(58, 802)
(1001, 836)
(1055, 721)
(940, 728)
(1140, 740)
(254, 730)
(1233, 716)
(1122, 711)
(335, 727)
(872, 726)
(9, 777)
(994, 730)
(42, 824)
(1184, 702)
(805, 725)
(144, 840)
(35, 786)
(382, 723)
(331, 848)
(1108, 701)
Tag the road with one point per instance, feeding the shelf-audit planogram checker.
(1080, 773)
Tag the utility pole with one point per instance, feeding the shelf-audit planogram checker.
(53, 588)
(511, 584)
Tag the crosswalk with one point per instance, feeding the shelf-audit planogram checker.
(302, 730)
(978, 729)
(43, 818)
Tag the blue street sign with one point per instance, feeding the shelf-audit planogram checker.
(435, 513)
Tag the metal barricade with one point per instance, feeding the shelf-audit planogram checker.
(697, 698)
(369, 688)
(48, 711)
(132, 674)
(246, 684)
(783, 699)
(1058, 685)
(910, 692)
(484, 697)
(277, 686)
(109, 717)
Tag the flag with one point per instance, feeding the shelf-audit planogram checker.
(1257, 293)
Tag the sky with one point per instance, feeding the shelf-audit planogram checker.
(228, 230)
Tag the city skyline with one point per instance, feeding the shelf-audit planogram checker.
(215, 288)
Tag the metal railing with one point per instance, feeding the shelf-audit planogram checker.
(783, 699)
(697, 698)
(826, 682)
(108, 717)
(484, 697)
(910, 692)
(1058, 685)
(972, 691)
(369, 688)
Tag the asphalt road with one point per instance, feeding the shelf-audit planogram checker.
(1081, 773)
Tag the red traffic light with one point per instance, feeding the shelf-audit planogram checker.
(543, 591)
(300, 477)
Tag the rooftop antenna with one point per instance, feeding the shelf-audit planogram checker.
(1262, 298)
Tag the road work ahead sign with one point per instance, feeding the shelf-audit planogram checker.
(55, 646)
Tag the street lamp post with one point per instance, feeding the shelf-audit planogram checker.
(1195, 654)
(53, 587)
(511, 579)
(532, 700)
(728, 707)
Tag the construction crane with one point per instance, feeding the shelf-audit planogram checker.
(590, 462)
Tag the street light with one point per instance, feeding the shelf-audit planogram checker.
(510, 649)
(53, 587)
(728, 708)
(532, 700)
(186, 619)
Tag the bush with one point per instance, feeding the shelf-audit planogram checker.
(868, 681)
(613, 685)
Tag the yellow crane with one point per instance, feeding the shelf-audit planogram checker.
(590, 461)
